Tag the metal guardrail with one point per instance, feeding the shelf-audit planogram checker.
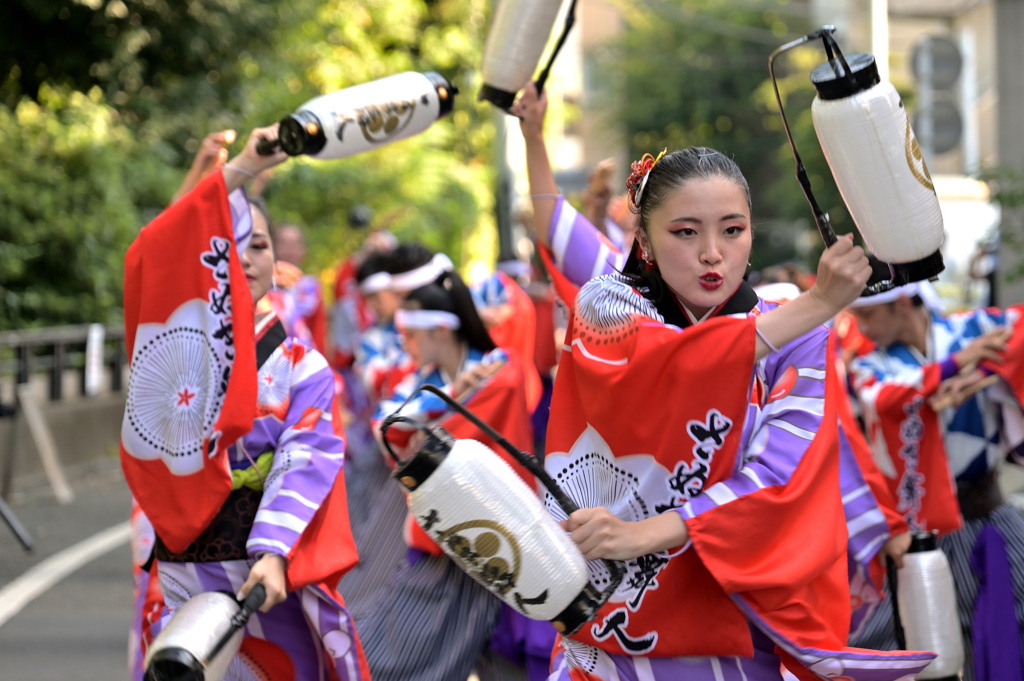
(66, 345)
(54, 350)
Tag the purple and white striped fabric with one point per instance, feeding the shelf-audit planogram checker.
(781, 425)
(581, 251)
(295, 396)
(868, 530)
(294, 383)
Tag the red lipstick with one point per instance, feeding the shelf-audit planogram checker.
(711, 281)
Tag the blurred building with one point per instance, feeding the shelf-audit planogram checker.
(957, 64)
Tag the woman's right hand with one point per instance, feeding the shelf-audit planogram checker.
(211, 155)
(271, 571)
(896, 547)
(250, 162)
(843, 272)
(530, 109)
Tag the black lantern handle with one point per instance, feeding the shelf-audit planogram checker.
(820, 217)
(570, 19)
(526, 460)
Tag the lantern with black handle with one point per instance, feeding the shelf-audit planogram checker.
(865, 134)
(487, 520)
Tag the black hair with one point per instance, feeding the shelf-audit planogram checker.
(406, 257)
(671, 172)
(448, 293)
(260, 205)
(374, 263)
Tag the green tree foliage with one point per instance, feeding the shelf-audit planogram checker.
(1006, 183)
(161, 74)
(69, 186)
(695, 73)
(435, 187)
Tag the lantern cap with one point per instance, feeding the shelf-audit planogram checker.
(927, 267)
(301, 133)
(445, 92)
(923, 541)
(503, 99)
(414, 472)
(832, 82)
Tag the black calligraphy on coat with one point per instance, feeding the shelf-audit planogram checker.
(686, 482)
(708, 436)
(615, 625)
(911, 486)
(218, 260)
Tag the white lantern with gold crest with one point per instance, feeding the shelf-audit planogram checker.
(494, 526)
(519, 32)
(865, 134)
(366, 116)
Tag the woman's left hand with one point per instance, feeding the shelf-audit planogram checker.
(470, 379)
(896, 547)
(269, 571)
(601, 534)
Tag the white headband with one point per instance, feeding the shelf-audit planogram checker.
(426, 319)
(375, 283)
(918, 288)
(422, 275)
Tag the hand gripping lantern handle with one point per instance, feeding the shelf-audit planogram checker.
(616, 569)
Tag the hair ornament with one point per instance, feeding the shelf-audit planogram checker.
(641, 170)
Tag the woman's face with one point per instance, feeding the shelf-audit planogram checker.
(426, 346)
(258, 259)
(700, 238)
(384, 304)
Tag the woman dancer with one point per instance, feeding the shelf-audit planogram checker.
(239, 469)
(709, 465)
(433, 621)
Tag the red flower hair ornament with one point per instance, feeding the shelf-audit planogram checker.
(637, 181)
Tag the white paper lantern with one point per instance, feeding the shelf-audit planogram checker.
(927, 601)
(871, 149)
(487, 520)
(515, 43)
(367, 116)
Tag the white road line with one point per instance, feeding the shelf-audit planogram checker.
(39, 578)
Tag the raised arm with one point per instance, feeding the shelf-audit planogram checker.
(249, 163)
(530, 108)
(211, 155)
(843, 271)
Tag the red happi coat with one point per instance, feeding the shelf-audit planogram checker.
(907, 434)
(190, 337)
(190, 340)
(650, 415)
(517, 332)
